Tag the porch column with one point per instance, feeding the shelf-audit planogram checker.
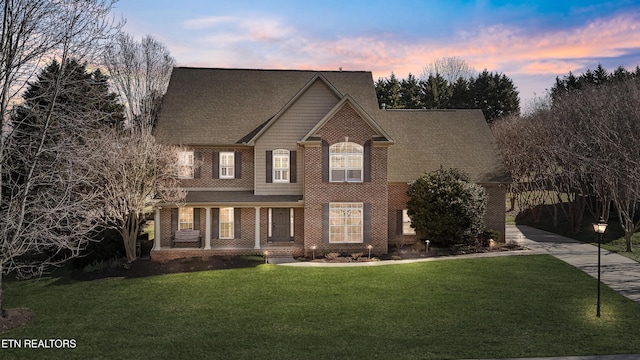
(257, 242)
(207, 229)
(156, 232)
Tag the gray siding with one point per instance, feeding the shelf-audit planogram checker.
(296, 122)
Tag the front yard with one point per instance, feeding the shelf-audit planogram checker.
(516, 306)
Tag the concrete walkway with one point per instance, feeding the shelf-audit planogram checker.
(618, 272)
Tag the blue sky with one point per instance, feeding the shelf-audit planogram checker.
(532, 42)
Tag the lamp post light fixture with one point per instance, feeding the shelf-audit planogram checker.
(427, 242)
(369, 247)
(599, 228)
(313, 252)
(266, 257)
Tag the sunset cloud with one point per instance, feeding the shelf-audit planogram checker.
(530, 43)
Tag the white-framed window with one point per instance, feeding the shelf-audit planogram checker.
(345, 222)
(227, 163)
(345, 162)
(406, 224)
(281, 166)
(185, 218)
(185, 165)
(226, 223)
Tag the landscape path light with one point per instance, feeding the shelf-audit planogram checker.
(599, 228)
(369, 247)
(313, 252)
(427, 242)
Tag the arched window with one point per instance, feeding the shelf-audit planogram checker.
(345, 162)
(281, 166)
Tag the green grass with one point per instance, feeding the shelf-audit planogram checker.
(519, 306)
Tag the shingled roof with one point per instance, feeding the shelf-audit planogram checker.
(428, 139)
(230, 106)
(224, 106)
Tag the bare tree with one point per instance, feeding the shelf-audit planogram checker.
(140, 72)
(48, 204)
(450, 68)
(135, 172)
(583, 153)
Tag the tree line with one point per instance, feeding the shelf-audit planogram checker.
(580, 151)
(493, 93)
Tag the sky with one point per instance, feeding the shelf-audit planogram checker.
(531, 42)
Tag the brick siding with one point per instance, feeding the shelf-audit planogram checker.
(494, 218)
(346, 122)
(206, 179)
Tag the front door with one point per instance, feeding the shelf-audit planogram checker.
(280, 224)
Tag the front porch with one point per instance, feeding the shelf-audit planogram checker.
(230, 229)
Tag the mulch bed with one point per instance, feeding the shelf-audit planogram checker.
(14, 319)
(142, 268)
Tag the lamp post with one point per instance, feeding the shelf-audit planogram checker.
(599, 228)
(369, 247)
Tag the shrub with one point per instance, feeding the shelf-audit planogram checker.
(447, 207)
(356, 256)
(332, 256)
(108, 246)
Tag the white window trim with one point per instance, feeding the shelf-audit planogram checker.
(185, 160)
(347, 156)
(346, 207)
(230, 168)
(231, 223)
(282, 154)
(185, 217)
(406, 224)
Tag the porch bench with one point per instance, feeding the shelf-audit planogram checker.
(186, 237)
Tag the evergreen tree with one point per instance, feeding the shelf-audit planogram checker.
(447, 207)
(83, 94)
(460, 95)
(410, 93)
(597, 77)
(436, 92)
(495, 94)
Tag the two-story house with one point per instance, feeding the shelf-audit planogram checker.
(292, 162)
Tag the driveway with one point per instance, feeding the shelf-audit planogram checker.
(618, 272)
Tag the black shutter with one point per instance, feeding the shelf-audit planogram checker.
(215, 223)
(366, 162)
(269, 166)
(399, 222)
(293, 167)
(237, 225)
(325, 223)
(237, 158)
(196, 218)
(197, 156)
(174, 221)
(215, 165)
(366, 222)
(325, 161)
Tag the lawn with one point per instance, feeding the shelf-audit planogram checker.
(517, 306)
